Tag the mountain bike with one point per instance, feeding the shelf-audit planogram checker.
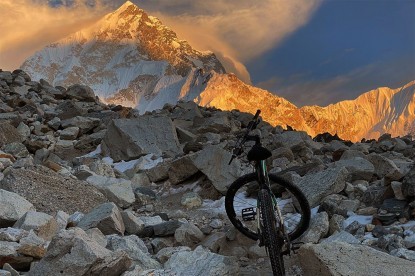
(264, 206)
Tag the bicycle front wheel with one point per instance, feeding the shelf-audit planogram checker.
(241, 203)
(272, 237)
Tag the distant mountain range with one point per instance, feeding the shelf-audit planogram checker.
(131, 58)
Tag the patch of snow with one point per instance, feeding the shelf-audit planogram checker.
(94, 153)
(123, 166)
(108, 160)
(359, 218)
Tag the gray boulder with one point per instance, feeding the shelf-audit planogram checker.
(358, 167)
(319, 228)
(213, 162)
(106, 217)
(384, 167)
(12, 208)
(318, 185)
(128, 139)
(408, 184)
(135, 249)
(44, 225)
(188, 234)
(116, 190)
(81, 92)
(84, 124)
(183, 263)
(339, 258)
(72, 252)
(133, 225)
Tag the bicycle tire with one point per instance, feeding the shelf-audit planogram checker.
(273, 242)
(240, 186)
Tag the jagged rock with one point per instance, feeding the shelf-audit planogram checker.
(18, 150)
(10, 269)
(215, 241)
(293, 138)
(85, 124)
(213, 162)
(390, 242)
(9, 134)
(8, 254)
(62, 220)
(159, 243)
(376, 194)
(81, 92)
(133, 224)
(359, 168)
(217, 123)
(188, 234)
(336, 224)
(72, 252)
(191, 200)
(384, 167)
(409, 241)
(135, 249)
(352, 154)
(32, 246)
(128, 139)
(342, 236)
(397, 190)
(116, 190)
(165, 253)
(12, 234)
(44, 225)
(70, 133)
(106, 217)
(101, 168)
(167, 228)
(12, 208)
(318, 185)
(339, 258)
(408, 184)
(183, 263)
(404, 254)
(62, 193)
(181, 169)
(319, 228)
(98, 236)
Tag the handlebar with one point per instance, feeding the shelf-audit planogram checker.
(251, 126)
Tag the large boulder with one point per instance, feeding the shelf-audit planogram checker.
(136, 250)
(201, 262)
(44, 225)
(106, 218)
(12, 208)
(128, 139)
(338, 258)
(50, 192)
(358, 167)
(384, 167)
(81, 92)
(318, 185)
(116, 190)
(72, 252)
(213, 162)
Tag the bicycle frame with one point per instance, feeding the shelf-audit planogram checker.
(264, 183)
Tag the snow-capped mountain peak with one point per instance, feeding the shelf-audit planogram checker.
(124, 50)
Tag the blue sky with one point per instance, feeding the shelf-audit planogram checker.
(308, 51)
(347, 47)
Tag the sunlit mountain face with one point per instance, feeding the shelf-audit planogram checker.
(129, 57)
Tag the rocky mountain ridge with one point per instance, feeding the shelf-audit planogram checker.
(132, 59)
(88, 189)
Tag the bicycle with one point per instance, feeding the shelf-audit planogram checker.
(264, 206)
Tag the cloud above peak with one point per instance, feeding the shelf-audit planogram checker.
(236, 31)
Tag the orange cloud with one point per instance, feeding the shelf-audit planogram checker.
(28, 27)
